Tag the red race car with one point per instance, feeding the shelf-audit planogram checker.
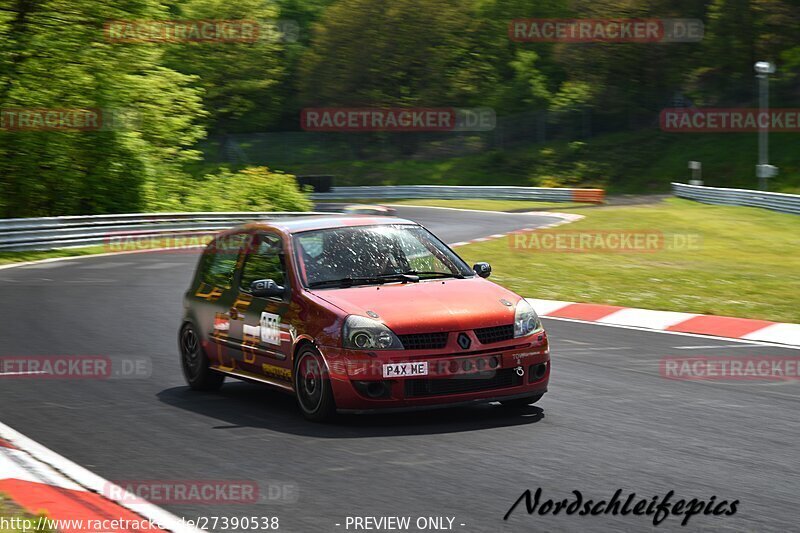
(355, 314)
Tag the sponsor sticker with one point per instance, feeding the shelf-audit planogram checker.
(270, 328)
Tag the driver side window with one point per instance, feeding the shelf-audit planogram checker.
(264, 261)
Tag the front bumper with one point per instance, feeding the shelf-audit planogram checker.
(454, 378)
(430, 407)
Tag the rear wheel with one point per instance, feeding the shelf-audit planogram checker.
(194, 362)
(312, 386)
(518, 403)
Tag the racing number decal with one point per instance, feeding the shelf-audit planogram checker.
(270, 328)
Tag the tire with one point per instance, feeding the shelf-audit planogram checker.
(519, 403)
(312, 386)
(194, 362)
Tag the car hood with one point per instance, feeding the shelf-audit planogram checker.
(429, 306)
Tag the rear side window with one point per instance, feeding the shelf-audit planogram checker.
(219, 260)
(265, 261)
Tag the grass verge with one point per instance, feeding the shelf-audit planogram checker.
(19, 257)
(15, 518)
(747, 263)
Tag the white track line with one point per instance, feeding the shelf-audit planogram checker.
(65, 468)
(90, 256)
(696, 335)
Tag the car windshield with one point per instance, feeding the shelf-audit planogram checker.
(374, 254)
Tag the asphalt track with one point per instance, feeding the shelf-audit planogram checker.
(609, 421)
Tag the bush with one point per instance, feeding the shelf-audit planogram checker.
(251, 189)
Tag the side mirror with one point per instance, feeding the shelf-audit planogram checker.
(266, 288)
(484, 270)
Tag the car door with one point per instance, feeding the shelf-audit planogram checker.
(214, 294)
(262, 326)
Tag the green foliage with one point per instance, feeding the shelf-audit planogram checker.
(738, 33)
(54, 55)
(424, 53)
(572, 95)
(532, 82)
(630, 162)
(251, 189)
(240, 79)
(400, 53)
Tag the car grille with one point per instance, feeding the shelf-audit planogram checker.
(495, 334)
(424, 341)
(478, 382)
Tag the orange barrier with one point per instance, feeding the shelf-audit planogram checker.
(595, 196)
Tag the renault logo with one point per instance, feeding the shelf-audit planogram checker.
(464, 341)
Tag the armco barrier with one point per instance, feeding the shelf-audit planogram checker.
(389, 192)
(785, 203)
(50, 233)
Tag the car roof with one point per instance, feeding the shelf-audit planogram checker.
(310, 223)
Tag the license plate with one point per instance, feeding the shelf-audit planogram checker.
(399, 370)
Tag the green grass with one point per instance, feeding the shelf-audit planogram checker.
(10, 511)
(17, 257)
(479, 204)
(644, 161)
(111, 247)
(747, 264)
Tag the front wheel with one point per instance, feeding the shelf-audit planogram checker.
(312, 386)
(194, 362)
(519, 403)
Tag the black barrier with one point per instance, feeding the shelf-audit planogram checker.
(318, 183)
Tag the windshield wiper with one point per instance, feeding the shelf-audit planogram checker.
(433, 274)
(350, 280)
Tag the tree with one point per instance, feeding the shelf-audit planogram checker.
(400, 53)
(241, 79)
(54, 55)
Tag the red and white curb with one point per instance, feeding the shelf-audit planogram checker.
(718, 326)
(41, 481)
(564, 218)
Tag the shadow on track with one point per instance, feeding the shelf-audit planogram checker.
(256, 406)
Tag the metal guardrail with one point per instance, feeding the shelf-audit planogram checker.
(119, 231)
(462, 192)
(785, 203)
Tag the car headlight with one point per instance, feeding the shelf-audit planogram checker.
(526, 321)
(362, 333)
